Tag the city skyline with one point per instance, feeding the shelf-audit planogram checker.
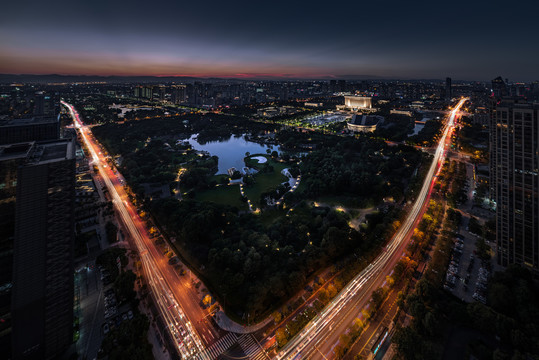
(273, 40)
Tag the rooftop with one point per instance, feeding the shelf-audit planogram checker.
(366, 120)
(29, 121)
(55, 150)
(39, 152)
(15, 151)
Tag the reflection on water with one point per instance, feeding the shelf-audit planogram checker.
(232, 151)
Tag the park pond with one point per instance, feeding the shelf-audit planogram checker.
(231, 152)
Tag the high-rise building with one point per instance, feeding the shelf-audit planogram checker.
(147, 92)
(448, 90)
(138, 91)
(161, 92)
(11, 158)
(178, 94)
(44, 104)
(42, 299)
(499, 88)
(514, 136)
(143, 91)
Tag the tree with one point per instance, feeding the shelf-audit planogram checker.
(483, 250)
(277, 316)
(207, 300)
(248, 180)
(332, 291)
(128, 341)
(323, 296)
(430, 323)
(124, 285)
(378, 297)
(236, 175)
(280, 336)
(499, 355)
(408, 342)
(345, 339)
(108, 259)
(111, 231)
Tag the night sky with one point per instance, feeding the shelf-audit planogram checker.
(469, 40)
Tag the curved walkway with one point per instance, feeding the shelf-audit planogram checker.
(294, 183)
(227, 324)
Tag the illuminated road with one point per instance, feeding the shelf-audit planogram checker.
(160, 276)
(320, 336)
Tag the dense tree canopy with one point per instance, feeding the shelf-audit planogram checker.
(253, 264)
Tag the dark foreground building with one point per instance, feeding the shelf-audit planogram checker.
(42, 299)
(38, 128)
(514, 177)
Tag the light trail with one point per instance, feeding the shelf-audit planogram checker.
(321, 326)
(182, 332)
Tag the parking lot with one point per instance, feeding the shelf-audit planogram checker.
(92, 309)
(114, 313)
(467, 275)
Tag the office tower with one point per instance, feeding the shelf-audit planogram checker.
(11, 157)
(515, 181)
(161, 92)
(44, 104)
(42, 300)
(178, 94)
(499, 88)
(448, 91)
(37, 128)
(138, 91)
(147, 92)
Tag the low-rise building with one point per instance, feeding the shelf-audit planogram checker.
(401, 112)
(365, 123)
(357, 102)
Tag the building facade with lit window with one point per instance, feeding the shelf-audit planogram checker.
(357, 102)
(514, 137)
(42, 297)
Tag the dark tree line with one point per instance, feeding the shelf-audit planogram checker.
(359, 168)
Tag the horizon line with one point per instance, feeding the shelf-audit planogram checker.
(249, 76)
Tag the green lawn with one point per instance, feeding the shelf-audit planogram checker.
(265, 181)
(226, 194)
(230, 194)
(219, 178)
